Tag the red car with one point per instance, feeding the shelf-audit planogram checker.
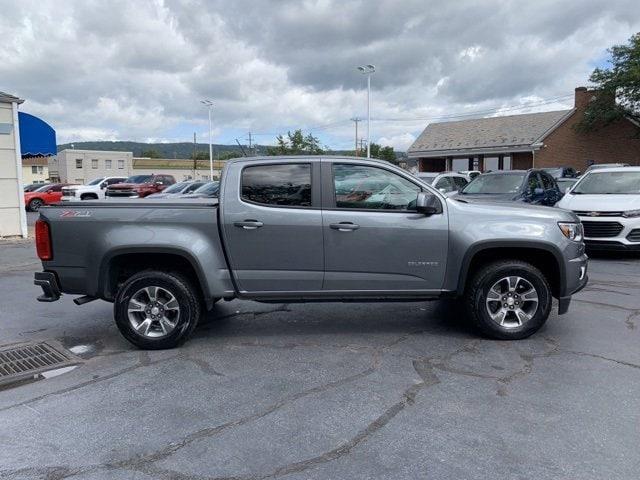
(139, 186)
(45, 195)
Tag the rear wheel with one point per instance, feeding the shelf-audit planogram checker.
(509, 300)
(156, 310)
(35, 204)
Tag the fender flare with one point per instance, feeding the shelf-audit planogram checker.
(523, 244)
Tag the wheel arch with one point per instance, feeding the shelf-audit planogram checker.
(120, 264)
(545, 256)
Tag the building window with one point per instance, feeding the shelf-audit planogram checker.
(121, 164)
(491, 164)
(94, 163)
(205, 177)
(78, 163)
(459, 164)
(34, 169)
(107, 164)
(506, 162)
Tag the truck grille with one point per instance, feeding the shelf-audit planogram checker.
(601, 229)
(121, 193)
(634, 235)
(590, 213)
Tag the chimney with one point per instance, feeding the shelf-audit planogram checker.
(583, 97)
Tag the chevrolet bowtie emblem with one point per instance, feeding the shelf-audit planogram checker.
(594, 214)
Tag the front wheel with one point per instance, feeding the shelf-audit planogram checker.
(509, 300)
(157, 310)
(35, 204)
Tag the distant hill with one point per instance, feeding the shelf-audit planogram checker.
(174, 150)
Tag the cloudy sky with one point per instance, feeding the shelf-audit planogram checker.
(136, 70)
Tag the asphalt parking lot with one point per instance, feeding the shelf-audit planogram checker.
(358, 391)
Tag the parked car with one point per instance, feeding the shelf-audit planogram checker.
(45, 195)
(93, 190)
(562, 172)
(607, 200)
(139, 186)
(310, 229)
(565, 183)
(445, 182)
(208, 190)
(597, 166)
(470, 173)
(33, 187)
(530, 186)
(178, 189)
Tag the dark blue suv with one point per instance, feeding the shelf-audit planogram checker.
(530, 186)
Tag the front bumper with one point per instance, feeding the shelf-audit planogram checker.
(49, 284)
(576, 279)
(612, 233)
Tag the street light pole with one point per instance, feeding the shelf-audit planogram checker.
(209, 104)
(368, 70)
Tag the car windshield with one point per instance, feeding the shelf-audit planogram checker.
(609, 183)
(176, 187)
(499, 183)
(208, 188)
(564, 183)
(96, 181)
(138, 179)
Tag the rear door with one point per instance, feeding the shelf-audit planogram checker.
(272, 225)
(374, 239)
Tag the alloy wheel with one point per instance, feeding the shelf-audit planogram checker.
(153, 312)
(512, 301)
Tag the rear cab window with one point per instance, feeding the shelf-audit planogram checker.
(277, 185)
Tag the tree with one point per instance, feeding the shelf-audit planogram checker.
(200, 155)
(618, 88)
(383, 153)
(296, 143)
(150, 153)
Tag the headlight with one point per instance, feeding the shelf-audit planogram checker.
(631, 213)
(573, 231)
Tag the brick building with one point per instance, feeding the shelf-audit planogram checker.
(540, 140)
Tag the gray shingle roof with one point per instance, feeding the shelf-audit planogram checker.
(482, 133)
(7, 97)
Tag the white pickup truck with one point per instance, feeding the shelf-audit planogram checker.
(94, 190)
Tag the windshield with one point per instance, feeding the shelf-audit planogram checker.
(176, 187)
(138, 179)
(96, 181)
(563, 184)
(500, 183)
(609, 183)
(208, 188)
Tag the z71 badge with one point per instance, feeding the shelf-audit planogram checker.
(75, 213)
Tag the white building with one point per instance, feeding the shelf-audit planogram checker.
(13, 219)
(82, 166)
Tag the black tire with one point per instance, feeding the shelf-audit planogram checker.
(89, 196)
(184, 293)
(35, 204)
(478, 308)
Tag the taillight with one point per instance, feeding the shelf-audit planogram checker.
(43, 240)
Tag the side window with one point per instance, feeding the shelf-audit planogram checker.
(445, 185)
(56, 188)
(460, 182)
(547, 182)
(278, 185)
(111, 181)
(364, 187)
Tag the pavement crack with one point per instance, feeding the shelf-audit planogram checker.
(601, 357)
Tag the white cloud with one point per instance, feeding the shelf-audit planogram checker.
(399, 142)
(137, 70)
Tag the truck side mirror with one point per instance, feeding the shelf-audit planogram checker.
(428, 204)
(103, 185)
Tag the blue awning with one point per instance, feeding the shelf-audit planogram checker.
(36, 136)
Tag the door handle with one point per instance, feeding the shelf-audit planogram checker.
(344, 226)
(248, 224)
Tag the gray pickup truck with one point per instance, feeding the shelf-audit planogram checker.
(308, 229)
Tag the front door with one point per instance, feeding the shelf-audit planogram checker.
(374, 239)
(272, 225)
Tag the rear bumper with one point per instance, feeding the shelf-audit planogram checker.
(49, 284)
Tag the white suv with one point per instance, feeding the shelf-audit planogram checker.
(607, 200)
(92, 191)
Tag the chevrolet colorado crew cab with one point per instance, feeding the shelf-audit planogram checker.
(307, 229)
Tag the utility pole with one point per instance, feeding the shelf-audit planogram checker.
(249, 138)
(356, 120)
(362, 144)
(368, 70)
(195, 158)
